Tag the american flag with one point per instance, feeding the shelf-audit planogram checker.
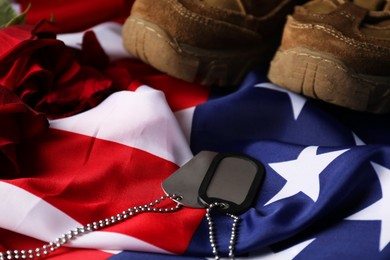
(326, 186)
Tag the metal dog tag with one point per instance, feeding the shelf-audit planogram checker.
(233, 181)
(185, 182)
(229, 179)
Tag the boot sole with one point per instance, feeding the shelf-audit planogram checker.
(154, 46)
(322, 76)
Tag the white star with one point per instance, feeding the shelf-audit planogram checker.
(302, 174)
(297, 101)
(379, 210)
(358, 141)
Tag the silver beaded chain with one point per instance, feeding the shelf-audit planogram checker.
(46, 249)
(233, 235)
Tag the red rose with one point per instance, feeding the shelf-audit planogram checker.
(53, 78)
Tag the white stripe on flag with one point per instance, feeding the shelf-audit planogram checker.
(140, 119)
(184, 117)
(108, 30)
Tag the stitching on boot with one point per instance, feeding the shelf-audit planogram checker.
(322, 17)
(315, 57)
(171, 43)
(364, 46)
(336, 65)
(175, 44)
(183, 12)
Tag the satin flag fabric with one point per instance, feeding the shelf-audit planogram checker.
(326, 189)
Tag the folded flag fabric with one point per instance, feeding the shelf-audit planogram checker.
(327, 170)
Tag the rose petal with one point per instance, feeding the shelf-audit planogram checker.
(18, 123)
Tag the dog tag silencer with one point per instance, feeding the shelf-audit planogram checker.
(232, 180)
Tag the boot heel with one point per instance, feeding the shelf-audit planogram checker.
(323, 77)
(154, 46)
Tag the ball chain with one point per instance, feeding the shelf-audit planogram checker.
(233, 236)
(77, 232)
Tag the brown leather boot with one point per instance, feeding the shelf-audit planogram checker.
(206, 41)
(338, 51)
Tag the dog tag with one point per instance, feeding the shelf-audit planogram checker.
(185, 182)
(233, 181)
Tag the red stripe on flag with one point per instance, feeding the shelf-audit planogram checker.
(179, 94)
(91, 179)
(75, 15)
